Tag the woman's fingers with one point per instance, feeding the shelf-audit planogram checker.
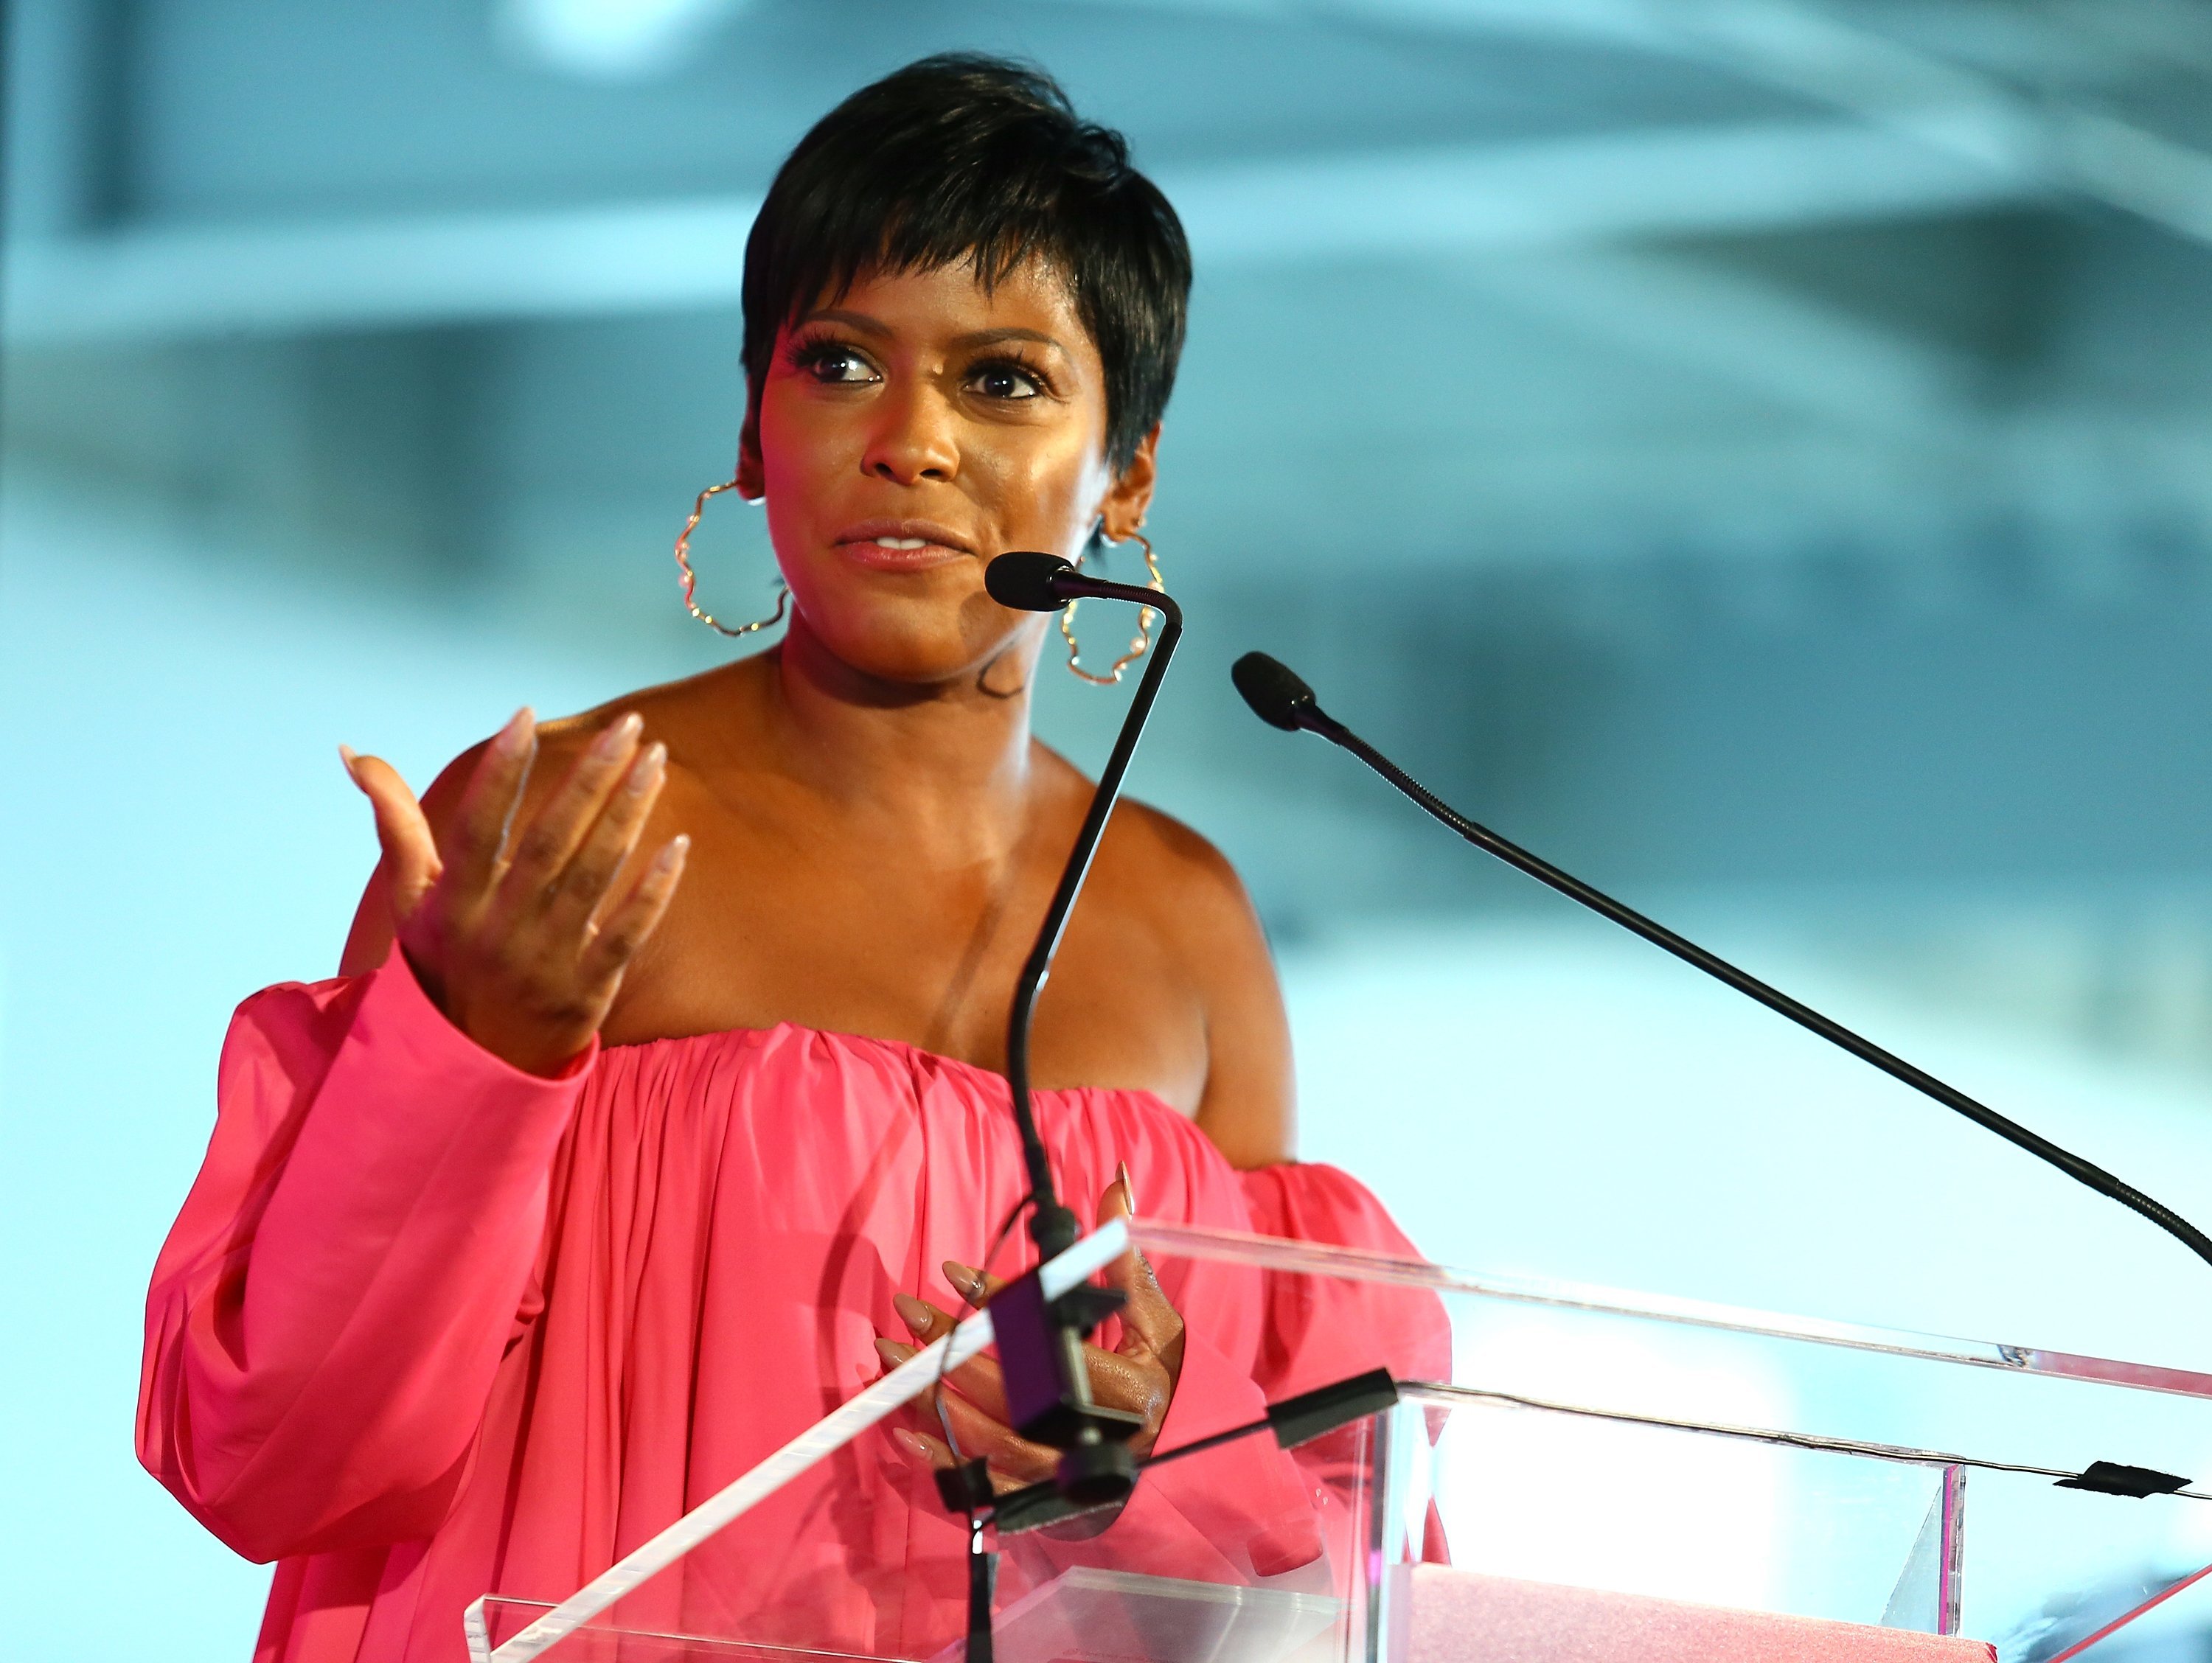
(541, 848)
(1147, 1318)
(926, 1451)
(411, 864)
(626, 928)
(979, 1433)
(978, 1379)
(518, 930)
(583, 884)
(972, 1285)
(1139, 1375)
(477, 835)
(922, 1448)
(1007, 1451)
(1129, 1380)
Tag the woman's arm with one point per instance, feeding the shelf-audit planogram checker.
(329, 1308)
(329, 1311)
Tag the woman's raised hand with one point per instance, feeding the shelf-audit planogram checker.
(513, 929)
(1138, 1374)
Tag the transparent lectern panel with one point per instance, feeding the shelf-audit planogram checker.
(2045, 1567)
(1080, 1615)
(1240, 1553)
(1565, 1499)
(1800, 1470)
(1565, 1468)
(494, 1622)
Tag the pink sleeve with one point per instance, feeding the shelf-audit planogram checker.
(330, 1308)
(1320, 1329)
(1238, 1511)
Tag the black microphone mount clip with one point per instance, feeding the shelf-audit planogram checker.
(1048, 1385)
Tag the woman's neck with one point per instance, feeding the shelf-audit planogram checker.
(944, 767)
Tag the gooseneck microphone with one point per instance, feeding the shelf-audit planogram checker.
(1030, 582)
(1279, 697)
(1027, 581)
(1041, 1342)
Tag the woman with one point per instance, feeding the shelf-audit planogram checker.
(655, 1105)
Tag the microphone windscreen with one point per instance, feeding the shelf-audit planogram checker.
(1273, 690)
(1022, 579)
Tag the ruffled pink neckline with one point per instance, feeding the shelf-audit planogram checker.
(990, 1079)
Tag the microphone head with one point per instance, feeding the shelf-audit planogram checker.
(1022, 579)
(1273, 688)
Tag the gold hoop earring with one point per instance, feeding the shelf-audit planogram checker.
(1139, 644)
(692, 578)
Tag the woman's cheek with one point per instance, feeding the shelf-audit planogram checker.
(1045, 496)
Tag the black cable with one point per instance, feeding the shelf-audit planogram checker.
(1211, 1440)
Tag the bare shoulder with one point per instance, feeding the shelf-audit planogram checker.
(1194, 879)
(1191, 894)
(671, 711)
(1163, 869)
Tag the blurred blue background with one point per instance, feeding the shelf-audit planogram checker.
(1760, 454)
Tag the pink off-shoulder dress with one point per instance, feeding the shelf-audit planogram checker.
(428, 1328)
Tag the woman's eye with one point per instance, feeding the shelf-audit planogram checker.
(839, 364)
(1005, 381)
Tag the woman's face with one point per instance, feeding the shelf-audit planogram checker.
(911, 431)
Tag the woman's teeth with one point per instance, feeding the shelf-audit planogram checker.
(901, 543)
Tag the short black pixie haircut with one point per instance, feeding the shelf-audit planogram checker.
(963, 156)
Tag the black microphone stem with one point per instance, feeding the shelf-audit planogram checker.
(1773, 998)
(1051, 1226)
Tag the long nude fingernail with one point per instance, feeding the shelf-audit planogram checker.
(515, 736)
(646, 771)
(912, 1311)
(346, 754)
(617, 734)
(911, 1442)
(891, 1351)
(1128, 1189)
(966, 1278)
(673, 853)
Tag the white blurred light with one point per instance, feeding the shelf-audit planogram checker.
(1590, 1503)
(611, 40)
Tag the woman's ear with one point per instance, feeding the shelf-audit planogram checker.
(1130, 496)
(752, 482)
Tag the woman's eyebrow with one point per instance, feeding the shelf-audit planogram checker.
(862, 322)
(857, 321)
(991, 337)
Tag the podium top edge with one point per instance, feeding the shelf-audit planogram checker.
(1364, 1264)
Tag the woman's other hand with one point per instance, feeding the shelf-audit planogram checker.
(514, 930)
(1138, 1374)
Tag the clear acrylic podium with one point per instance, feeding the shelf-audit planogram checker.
(1569, 1473)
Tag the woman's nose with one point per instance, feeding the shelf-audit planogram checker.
(912, 439)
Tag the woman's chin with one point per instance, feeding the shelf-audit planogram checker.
(883, 650)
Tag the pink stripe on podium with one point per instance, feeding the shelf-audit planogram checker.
(1462, 1617)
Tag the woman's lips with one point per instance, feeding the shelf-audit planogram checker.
(903, 546)
(899, 557)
